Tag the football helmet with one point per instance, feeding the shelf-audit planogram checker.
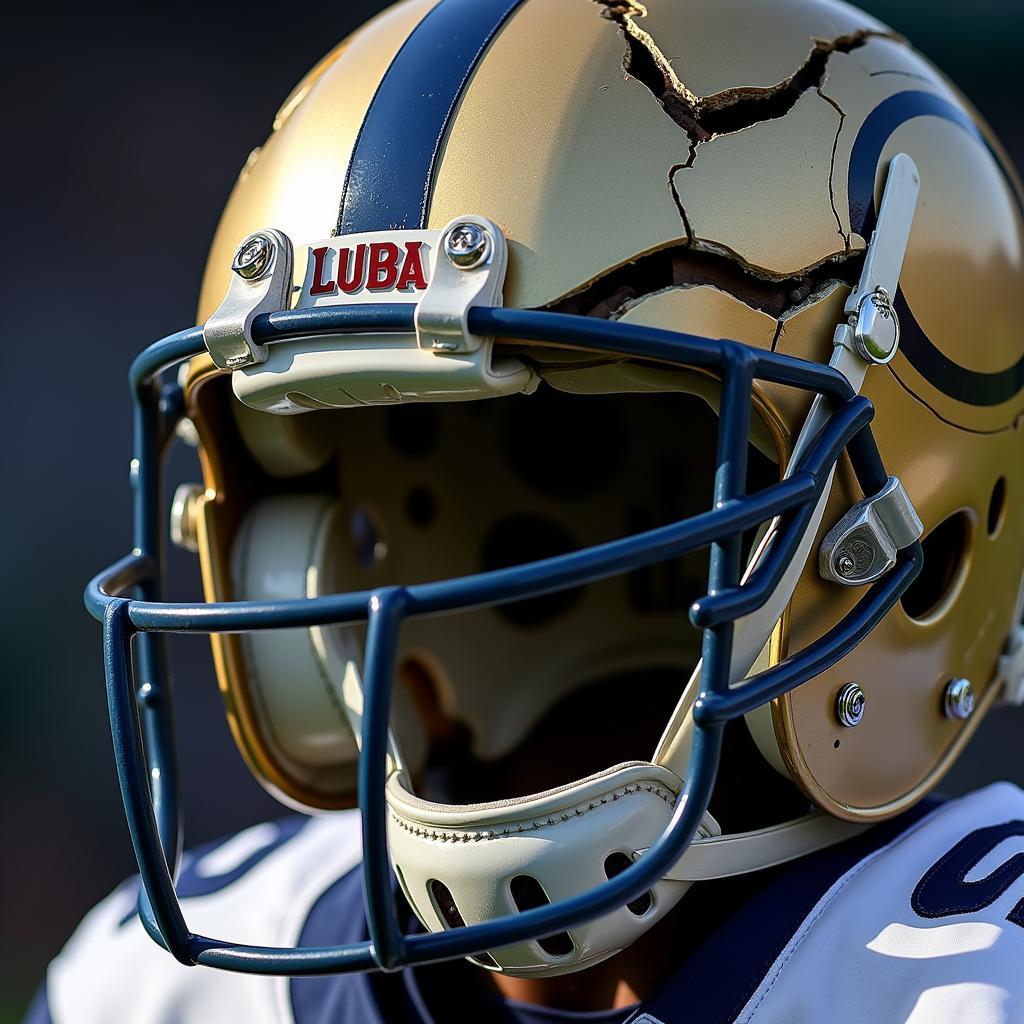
(527, 315)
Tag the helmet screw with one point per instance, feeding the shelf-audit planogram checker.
(846, 565)
(467, 245)
(959, 699)
(253, 256)
(850, 705)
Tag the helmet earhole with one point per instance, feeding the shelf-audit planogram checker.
(945, 556)
(615, 864)
(527, 894)
(997, 507)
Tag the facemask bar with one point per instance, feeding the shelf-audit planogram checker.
(141, 716)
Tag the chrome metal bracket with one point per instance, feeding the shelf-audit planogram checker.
(883, 264)
(875, 328)
(863, 545)
(261, 283)
(469, 271)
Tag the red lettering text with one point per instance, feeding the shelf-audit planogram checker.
(412, 275)
(319, 285)
(383, 266)
(347, 282)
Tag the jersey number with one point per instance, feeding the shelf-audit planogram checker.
(944, 890)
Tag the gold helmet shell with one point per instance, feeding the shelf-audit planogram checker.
(713, 168)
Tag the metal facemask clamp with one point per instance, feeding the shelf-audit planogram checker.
(261, 282)
(865, 543)
(863, 546)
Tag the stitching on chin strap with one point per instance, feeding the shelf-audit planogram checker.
(723, 856)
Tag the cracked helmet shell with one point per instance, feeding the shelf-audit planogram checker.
(585, 170)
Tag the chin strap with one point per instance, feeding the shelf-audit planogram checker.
(723, 856)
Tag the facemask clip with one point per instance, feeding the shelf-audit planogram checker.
(261, 282)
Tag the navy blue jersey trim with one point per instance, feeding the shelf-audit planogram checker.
(717, 981)
(435, 994)
(391, 171)
(944, 890)
(191, 883)
(39, 1011)
(338, 915)
(956, 381)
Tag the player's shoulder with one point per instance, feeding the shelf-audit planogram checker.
(257, 887)
(919, 920)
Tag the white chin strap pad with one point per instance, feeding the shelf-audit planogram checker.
(494, 860)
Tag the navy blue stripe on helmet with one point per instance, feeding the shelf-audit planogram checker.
(958, 382)
(391, 170)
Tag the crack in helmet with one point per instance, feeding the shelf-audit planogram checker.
(574, 341)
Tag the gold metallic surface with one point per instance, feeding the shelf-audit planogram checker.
(585, 172)
(573, 167)
(965, 253)
(581, 170)
(295, 181)
(230, 478)
(905, 743)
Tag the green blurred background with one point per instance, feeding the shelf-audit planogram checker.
(130, 124)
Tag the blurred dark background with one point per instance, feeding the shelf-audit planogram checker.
(126, 127)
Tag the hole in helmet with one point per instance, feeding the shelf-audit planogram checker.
(997, 507)
(945, 558)
(421, 506)
(564, 456)
(518, 539)
(413, 429)
(528, 894)
(615, 864)
(444, 903)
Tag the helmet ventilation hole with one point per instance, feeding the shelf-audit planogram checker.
(444, 903)
(997, 507)
(565, 456)
(528, 894)
(517, 539)
(945, 557)
(413, 429)
(421, 506)
(615, 864)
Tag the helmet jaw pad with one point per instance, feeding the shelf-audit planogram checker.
(508, 856)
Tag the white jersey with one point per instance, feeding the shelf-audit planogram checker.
(929, 929)
(921, 921)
